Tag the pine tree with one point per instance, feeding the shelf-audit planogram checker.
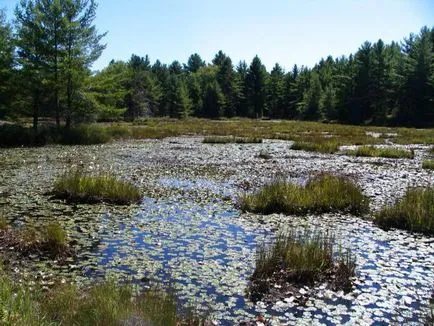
(256, 88)
(83, 47)
(276, 93)
(194, 63)
(6, 65)
(416, 103)
(179, 103)
(31, 52)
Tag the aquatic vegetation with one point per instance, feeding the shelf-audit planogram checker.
(371, 151)
(55, 236)
(328, 147)
(413, 212)
(231, 139)
(323, 193)
(428, 164)
(77, 187)
(49, 240)
(302, 258)
(107, 303)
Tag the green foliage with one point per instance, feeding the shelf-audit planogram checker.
(6, 64)
(413, 212)
(301, 258)
(428, 164)
(78, 187)
(328, 147)
(106, 303)
(323, 193)
(256, 80)
(371, 151)
(231, 139)
(55, 236)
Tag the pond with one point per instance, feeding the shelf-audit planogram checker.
(187, 233)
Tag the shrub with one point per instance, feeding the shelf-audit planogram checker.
(82, 135)
(302, 258)
(371, 151)
(428, 164)
(320, 147)
(413, 212)
(77, 187)
(323, 193)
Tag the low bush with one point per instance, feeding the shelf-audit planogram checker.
(77, 187)
(413, 212)
(327, 147)
(323, 193)
(16, 135)
(371, 151)
(299, 259)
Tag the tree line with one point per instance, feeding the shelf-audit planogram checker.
(45, 61)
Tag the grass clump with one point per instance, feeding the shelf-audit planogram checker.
(49, 240)
(298, 259)
(107, 304)
(231, 139)
(55, 236)
(428, 164)
(323, 193)
(328, 147)
(371, 151)
(77, 187)
(414, 212)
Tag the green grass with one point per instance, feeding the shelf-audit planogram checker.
(231, 139)
(55, 236)
(302, 258)
(77, 187)
(428, 164)
(50, 239)
(431, 151)
(328, 147)
(156, 128)
(371, 151)
(105, 304)
(323, 193)
(414, 212)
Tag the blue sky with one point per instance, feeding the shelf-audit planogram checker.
(283, 31)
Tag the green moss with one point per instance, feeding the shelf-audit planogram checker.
(78, 187)
(324, 193)
(413, 212)
(371, 151)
